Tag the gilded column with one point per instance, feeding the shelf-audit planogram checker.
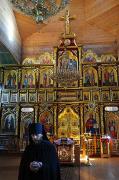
(101, 119)
(81, 119)
(36, 118)
(55, 121)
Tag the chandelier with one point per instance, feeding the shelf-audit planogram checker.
(65, 77)
(66, 73)
(40, 10)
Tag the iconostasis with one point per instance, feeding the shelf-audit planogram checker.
(65, 111)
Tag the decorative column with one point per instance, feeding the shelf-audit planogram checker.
(55, 121)
(81, 119)
(36, 115)
(102, 119)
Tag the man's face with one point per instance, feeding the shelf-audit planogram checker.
(36, 138)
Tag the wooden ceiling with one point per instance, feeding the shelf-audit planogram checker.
(97, 22)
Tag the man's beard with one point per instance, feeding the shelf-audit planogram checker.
(37, 141)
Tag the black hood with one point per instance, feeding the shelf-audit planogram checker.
(37, 128)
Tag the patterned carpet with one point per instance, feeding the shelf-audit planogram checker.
(70, 173)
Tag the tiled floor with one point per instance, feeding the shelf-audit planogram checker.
(101, 169)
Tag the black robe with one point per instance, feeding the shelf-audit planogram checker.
(44, 152)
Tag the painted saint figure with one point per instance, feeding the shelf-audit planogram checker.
(106, 77)
(87, 78)
(25, 81)
(92, 78)
(9, 123)
(112, 129)
(11, 80)
(111, 77)
(14, 80)
(9, 77)
(72, 65)
(91, 125)
(30, 79)
(44, 80)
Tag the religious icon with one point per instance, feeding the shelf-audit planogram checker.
(90, 77)
(96, 96)
(45, 79)
(23, 97)
(45, 58)
(25, 81)
(108, 58)
(5, 97)
(105, 96)
(14, 97)
(86, 96)
(89, 56)
(91, 125)
(28, 78)
(32, 97)
(41, 96)
(112, 123)
(112, 129)
(68, 61)
(109, 77)
(9, 123)
(87, 78)
(106, 77)
(115, 95)
(10, 79)
(50, 96)
(46, 118)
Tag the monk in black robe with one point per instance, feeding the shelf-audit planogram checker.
(39, 160)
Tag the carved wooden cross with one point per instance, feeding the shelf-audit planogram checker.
(67, 19)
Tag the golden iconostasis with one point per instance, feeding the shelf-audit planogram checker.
(28, 94)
